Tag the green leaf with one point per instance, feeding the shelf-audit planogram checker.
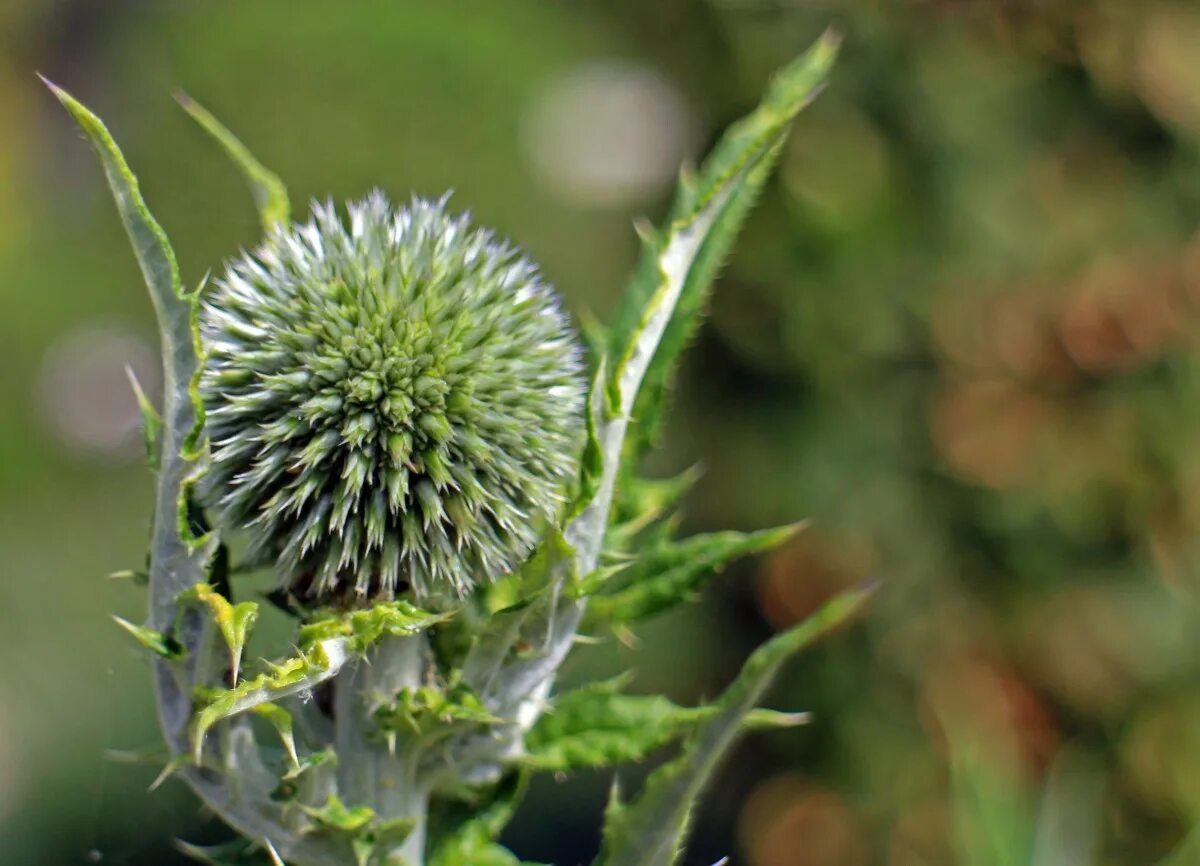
(427, 709)
(310, 762)
(662, 306)
(233, 621)
(641, 501)
(672, 573)
(179, 556)
(362, 629)
(281, 720)
(335, 815)
(268, 189)
(470, 840)
(598, 726)
(650, 831)
(317, 662)
(175, 566)
(155, 641)
(151, 420)
(591, 463)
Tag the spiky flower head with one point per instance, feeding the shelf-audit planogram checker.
(392, 403)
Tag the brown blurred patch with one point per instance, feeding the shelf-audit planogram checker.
(1086, 644)
(991, 431)
(922, 836)
(1161, 756)
(803, 574)
(789, 821)
(990, 703)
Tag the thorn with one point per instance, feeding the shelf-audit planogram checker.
(276, 860)
(168, 771)
(54, 88)
(645, 230)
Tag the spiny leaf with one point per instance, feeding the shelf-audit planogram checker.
(324, 648)
(281, 720)
(310, 762)
(427, 709)
(661, 307)
(318, 661)
(670, 286)
(650, 831)
(151, 420)
(475, 826)
(672, 573)
(336, 815)
(598, 726)
(174, 566)
(233, 621)
(641, 501)
(362, 629)
(179, 558)
(155, 641)
(591, 463)
(270, 193)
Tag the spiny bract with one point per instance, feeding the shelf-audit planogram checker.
(390, 404)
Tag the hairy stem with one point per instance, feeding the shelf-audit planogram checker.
(369, 772)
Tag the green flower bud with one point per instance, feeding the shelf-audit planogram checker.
(394, 403)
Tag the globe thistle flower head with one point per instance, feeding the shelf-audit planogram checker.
(392, 403)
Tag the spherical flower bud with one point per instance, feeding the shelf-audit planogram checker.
(392, 404)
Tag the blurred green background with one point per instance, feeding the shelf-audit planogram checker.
(960, 334)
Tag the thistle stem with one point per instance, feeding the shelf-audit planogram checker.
(369, 772)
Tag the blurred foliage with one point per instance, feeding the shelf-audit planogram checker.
(959, 334)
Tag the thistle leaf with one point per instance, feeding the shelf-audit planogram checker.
(270, 193)
(650, 831)
(672, 573)
(470, 840)
(598, 726)
(178, 557)
(233, 621)
(591, 463)
(317, 662)
(281, 720)
(427, 710)
(336, 815)
(662, 306)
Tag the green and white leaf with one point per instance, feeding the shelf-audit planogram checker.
(270, 193)
(650, 831)
(661, 309)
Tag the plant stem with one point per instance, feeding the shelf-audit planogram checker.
(369, 773)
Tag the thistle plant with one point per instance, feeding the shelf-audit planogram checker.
(386, 406)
